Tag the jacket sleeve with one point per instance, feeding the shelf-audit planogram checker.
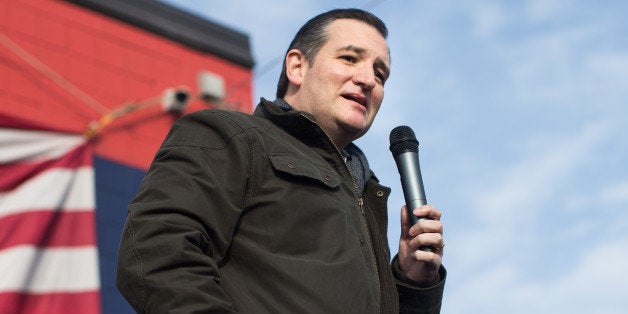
(415, 299)
(179, 226)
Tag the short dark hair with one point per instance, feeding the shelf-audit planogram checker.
(313, 35)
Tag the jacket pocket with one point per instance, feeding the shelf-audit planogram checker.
(301, 168)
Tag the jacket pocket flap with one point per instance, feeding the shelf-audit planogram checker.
(299, 167)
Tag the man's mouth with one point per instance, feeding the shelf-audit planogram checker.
(357, 98)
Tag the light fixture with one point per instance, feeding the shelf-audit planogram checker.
(211, 87)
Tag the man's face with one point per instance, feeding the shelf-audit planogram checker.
(344, 86)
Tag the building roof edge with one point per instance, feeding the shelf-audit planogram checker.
(178, 25)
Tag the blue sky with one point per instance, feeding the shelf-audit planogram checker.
(521, 109)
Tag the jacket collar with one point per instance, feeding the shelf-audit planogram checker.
(298, 123)
(303, 126)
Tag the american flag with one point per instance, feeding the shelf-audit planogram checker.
(48, 249)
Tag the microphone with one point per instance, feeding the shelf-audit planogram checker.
(405, 149)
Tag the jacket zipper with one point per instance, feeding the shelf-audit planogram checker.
(372, 249)
(360, 202)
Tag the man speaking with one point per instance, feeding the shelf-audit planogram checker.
(278, 212)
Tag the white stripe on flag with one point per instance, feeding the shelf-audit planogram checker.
(54, 189)
(29, 145)
(35, 270)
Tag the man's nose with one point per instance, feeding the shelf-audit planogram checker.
(365, 78)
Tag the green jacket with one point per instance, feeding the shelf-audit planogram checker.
(259, 214)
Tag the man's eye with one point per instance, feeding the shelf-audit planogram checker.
(380, 76)
(348, 58)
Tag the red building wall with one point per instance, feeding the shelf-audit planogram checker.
(111, 62)
(63, 66)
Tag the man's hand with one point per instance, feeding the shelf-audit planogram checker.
(417, 265)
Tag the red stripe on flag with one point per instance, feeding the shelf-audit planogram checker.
(50, 303)
(14, 174)
(44, 214)
(48, 229)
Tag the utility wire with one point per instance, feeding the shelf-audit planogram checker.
(371, 4)
(94, 104)
(51, 74)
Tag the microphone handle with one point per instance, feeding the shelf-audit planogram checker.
(412, 185)
(411, 182)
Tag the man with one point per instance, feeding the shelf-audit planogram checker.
(278, 212)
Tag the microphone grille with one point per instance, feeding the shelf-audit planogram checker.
(402, 139)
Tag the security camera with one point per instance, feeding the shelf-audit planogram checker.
(175, 100)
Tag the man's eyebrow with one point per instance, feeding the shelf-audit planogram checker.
(352, 48)
(378, 62)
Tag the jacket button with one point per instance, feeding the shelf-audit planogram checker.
(379, 193)
(291, 166)
(327, 178)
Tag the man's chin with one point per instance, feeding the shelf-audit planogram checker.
(355, 131)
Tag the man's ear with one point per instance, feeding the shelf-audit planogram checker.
(296, 66)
